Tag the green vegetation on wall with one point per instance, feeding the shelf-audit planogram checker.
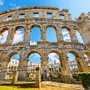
(85, 79)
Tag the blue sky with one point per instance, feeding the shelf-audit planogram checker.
(76, 7)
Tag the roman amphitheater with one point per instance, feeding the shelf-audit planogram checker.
(30, 17)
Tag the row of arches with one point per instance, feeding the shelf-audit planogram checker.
(51, 34)
(74, 52)
(55, 62)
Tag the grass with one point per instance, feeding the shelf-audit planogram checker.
(43, 88)
(16, 88)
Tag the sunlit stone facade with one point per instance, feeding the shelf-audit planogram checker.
(44, 17)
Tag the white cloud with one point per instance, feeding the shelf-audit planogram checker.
(14, 6)
(33, 43)
(1, 2)
(18, 37)
(3, 37)
(19, 31)
(18, 7)
(79, 36)
(53, 57)
(36, 55)
(66, 37)
(65, 32)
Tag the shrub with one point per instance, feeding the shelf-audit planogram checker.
(85, 79)
(75, 76)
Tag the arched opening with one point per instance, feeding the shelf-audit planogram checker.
(51, 34)
(19, 35)
(74, 64)
(12, 66)
(66, 35)
(79, 36)
(3, 36)
(54, 67)
(33, 62)
(35, 35)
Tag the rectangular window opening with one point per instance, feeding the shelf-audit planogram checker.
(15, 62)
(12, 61)
(9, 18)
(22, 15)
(61, 16)
(49, 15)
(36, 15)
(89, 64)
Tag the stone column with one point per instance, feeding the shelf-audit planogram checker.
(14, 79)
(67, 65)
(43, 33)
(0, 67)
(10, 36)
(65, 70)
(38, 79)
(60, 36)
(22, 69)
(82, 65)
(73, 36)
(0, 34)
(15, 15)
(27, 35)
(44, 67)
(85, 63)
(4, 70)
(1, 62)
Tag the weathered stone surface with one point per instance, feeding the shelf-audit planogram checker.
(43, 47)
